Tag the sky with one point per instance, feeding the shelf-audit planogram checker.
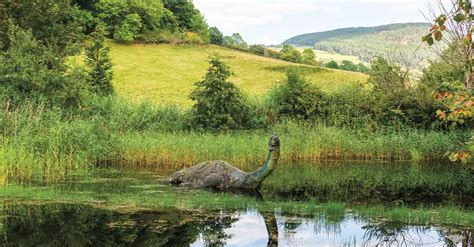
(273, 21)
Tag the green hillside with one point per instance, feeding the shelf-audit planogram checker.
(166, 73)
(367, 42)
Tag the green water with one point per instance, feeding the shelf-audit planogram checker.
(119, 207)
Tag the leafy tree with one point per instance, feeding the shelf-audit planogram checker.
(460, 23)
(217, 37)
(460, 107)
(53, 23)
(308, 56)
(188, 17)
(362, 68)
(297, 98)
(236, 41)
(219, 104)
(387, 77)
(332, 65)
(31, 70)
(184, 11)
(290, 53)
(348, 65)
(257, 49)
(128, 29)
(97, 58)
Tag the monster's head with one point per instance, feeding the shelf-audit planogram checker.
(274, 143)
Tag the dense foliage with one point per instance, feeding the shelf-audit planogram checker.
(220, 105)
(296, 98)
(347, 65)
(30, 70)
(97, 58)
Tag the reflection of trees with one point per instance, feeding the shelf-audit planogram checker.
(399, 234)
(81, 225)
(452, 237)
(213, 230)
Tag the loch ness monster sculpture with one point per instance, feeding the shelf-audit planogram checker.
(221, 175)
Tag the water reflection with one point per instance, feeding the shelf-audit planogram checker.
(83, 225)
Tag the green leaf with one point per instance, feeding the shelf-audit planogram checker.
(459, 18)
(428, 39)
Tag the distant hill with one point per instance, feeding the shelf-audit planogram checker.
(367, 42)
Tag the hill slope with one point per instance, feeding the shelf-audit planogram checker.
(367, 42)
(166, 73)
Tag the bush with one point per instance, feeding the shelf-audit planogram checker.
(290, 53)
(308, 56)
(396, 101)
(97, 58)
(219, 104)
(332, 65)
(216, 36)
(128, 29)
(297, 98)
(29, 70)
(193, 38)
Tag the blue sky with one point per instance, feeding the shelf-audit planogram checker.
(273, 21)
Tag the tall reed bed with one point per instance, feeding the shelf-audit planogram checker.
(48, 144)
(298, 142)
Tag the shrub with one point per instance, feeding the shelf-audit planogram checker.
(128, 29)
(219, 104)
(34, 71)
(290, 53)
(297, 98)
(216, 36)
(308, 56)
(97, 58)
(332, 65)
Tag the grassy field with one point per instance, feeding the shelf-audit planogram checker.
(166, 74)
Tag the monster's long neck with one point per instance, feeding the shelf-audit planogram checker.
(255, 178)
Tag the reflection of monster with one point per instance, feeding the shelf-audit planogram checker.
(272, 229)
(220, 174)
(80, 225)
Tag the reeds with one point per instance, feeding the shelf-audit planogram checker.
(49, 144)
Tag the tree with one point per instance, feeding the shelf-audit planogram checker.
(297, 98)
(348, 65)
(362, 68)
(217, 37)
(290, 53)
(459, 21)
(332, 65)
(460, 105)
(387, 77)
(308, 56)
(97, 58)
(33, 71)
(219, 104)
(53, 23)
(184, 11)
(128, 29)
(236, 41)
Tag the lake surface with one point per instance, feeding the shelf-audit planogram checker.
(84, 225)
(127, 208)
